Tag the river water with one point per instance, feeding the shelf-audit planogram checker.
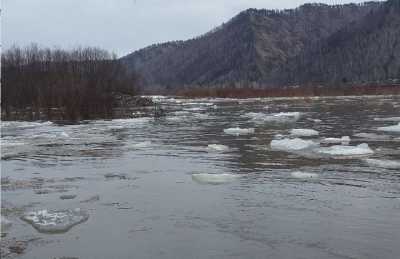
(154, 189)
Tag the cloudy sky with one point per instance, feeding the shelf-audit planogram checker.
(121, 26)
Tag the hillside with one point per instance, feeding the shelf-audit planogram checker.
(265, 48)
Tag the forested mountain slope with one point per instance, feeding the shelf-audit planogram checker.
(314, 43)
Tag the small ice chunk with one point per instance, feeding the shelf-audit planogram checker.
(388, 164)
(304, 132)
(372, 136)
(55, 221)
(239, 131)
(394, 128)
(292, 144)
(303, 175)
(340, 150)
(143, 144)
(206, 178)
(345, 140)
(282, 117)
(218, 147)
(395, 119)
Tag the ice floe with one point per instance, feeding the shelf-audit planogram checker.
(206, 178)
(393, 119)
(371, 136)
(239, 131)
(388, 164)
(287, 144)
(217, 147)
(304, 132)
(343, 151)
(282, 117)
(394, 128)
(143, 144)
(345, 140)
(303, 175)
(55, 221)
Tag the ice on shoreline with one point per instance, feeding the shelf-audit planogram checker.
(55, 221)
(239, 131)
(304, 132)
(287, 144)
(206, 178)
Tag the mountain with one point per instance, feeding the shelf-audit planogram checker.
(315, 43)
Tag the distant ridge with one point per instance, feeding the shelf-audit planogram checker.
(312, 44)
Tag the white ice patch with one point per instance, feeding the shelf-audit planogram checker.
(345, 140)
(393, 119)
(303, 175)
(388, 164)
(304, 132)
(217, 147)
(143, 144)
(292, 144)
(394, 128)
(205, 178)
(283, 117)
(55, 221)
(340, 150)
(372, 136)
(239, 131)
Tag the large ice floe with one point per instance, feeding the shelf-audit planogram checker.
(345, 140)
(304, 175)
(205, 178)
(288, 144)
(55, 221)
(217, 147)
(239, 131)
(282, 117)
(346, 151)
(381, 163)
(394, 128)
(304, 132)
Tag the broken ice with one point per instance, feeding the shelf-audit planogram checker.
(55, 221)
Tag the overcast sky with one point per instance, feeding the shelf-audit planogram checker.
(121, 26)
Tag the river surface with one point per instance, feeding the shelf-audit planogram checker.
(148, 187)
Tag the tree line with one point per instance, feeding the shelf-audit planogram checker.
(52, 83)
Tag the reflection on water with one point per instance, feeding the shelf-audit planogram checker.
(181, 187)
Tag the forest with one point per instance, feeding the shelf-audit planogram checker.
(76, 84)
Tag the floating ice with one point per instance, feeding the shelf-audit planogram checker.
(218, 147)
(55, 221)
(394, 128)
(372, 136)
(304, 132)
(388, 164)
(345, 140)
(239, 131)
(205, 178)
(292, 144)
(303, 175)
(395, 119)
(340, 150)
(143, 144)
(283, 117)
